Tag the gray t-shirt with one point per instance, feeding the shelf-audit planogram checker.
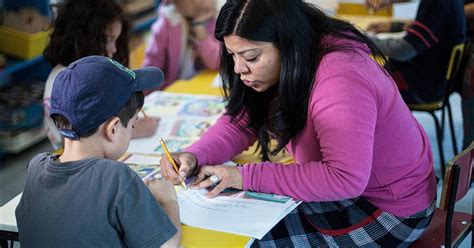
(88, 203)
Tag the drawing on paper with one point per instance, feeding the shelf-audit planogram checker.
(189, 128)
(174, 145)
(163, 106)
(144, 170)
(203, 107)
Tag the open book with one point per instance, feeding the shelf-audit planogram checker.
(239, 212)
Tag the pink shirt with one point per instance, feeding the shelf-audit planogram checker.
(167, 45)
(360, 139)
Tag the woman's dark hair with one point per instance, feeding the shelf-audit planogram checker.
(296, 28)
(133, 105)
(79, 31)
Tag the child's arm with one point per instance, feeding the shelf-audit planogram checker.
(207, 46)
(155, 52)
(164, 193)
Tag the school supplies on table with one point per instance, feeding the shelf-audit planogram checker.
(238, 212)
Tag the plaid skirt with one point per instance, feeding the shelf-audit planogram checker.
(348, 223)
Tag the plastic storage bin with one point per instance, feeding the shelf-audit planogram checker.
(22, 45)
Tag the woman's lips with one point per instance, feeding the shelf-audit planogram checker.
(249, 83)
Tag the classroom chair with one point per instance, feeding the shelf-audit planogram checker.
(443, 103)
(455, 225)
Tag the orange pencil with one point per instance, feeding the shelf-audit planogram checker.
(143, 112)
(170, 158)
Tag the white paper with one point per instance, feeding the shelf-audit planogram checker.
(233, 214)
(395, 35)
(142, 159)
(217, 82)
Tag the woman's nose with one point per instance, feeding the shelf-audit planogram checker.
(240, 67)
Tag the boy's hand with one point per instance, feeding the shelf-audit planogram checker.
(162, 190)
(145, 127)
(186, 163)
(379, 27)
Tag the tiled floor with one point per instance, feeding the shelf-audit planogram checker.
(13, 168)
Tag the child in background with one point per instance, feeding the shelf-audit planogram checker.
(182, 41)
(84, 197)
(83, 28)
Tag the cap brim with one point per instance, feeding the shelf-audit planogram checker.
(148, 78)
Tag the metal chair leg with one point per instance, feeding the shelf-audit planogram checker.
(439, 134)
(443, 119)
(451, 128)
(472, 234)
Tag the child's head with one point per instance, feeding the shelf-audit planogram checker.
(194, 8)
(88, 27)
(96, 96)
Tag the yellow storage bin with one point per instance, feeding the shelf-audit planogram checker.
(22, 45)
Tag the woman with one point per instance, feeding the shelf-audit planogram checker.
(83, 28)
(363, 163)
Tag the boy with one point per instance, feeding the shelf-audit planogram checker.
(84, 197)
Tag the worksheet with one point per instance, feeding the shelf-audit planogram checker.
(235, 212)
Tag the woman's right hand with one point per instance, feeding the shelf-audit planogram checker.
(186, 162)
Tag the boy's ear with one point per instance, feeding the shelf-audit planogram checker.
(110, 128)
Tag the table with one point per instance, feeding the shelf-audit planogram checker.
(8, 228)
(363, 21)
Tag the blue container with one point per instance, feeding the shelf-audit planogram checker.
(41, 5)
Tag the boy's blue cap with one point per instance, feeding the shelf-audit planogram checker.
(93, 89)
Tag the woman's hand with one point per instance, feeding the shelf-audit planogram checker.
(145, 127)
(186, 163)
(229, 177)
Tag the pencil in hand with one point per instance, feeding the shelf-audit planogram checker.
(144, 114)
(170, 158)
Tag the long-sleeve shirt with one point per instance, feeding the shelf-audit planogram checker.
(439, 26)
(360, 139)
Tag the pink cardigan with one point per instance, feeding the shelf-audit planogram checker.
(165, 47)
(360, 139)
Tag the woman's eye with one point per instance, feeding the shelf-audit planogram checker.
(252, 59)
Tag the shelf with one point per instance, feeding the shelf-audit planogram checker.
(16, 65)
(19, 141)
(13, 65)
